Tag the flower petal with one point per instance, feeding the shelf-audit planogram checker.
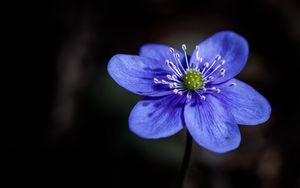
(232, 47)
(159, 52)
(211, 124)
(136, 74)
(157, 117)
(246, 104)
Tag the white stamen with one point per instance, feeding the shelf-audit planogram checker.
(217, 90)
(198, 58)
(169, 77)
(189, 96)
(177, 84)
(222, 72)
(209, 68)
(171, 50)
(156, 81)
(202, 97)
(171, 85)
(174, 77)
(185, 55)
(222, 62)
(177, 59)
(173, 67)
(218, 57)
(212, 71)
(205, 65)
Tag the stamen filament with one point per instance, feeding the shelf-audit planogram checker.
(209, 68)
(205, 66)
(213, 71)
(202, 97)
(173, 67)
(174, 56)
(177, 58)
(185, 55)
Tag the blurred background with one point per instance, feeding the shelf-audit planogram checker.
(65, 120)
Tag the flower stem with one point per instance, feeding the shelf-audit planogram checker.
(186, 159)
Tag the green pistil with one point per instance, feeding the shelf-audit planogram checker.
(193, 80)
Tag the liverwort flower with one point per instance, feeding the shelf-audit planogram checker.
(197, 92)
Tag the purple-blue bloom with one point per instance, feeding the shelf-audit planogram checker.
(198, 92)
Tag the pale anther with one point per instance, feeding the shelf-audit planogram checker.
(156, 81)
(171, 50)
(169, 76)
(189, 96)
(218, 57)
(174, 77)
(222, 72)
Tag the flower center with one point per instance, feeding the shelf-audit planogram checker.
(195, 77)
(193, 80)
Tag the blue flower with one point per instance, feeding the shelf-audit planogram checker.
(197, 92)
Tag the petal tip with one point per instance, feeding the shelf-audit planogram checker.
(267, 112)
(112, 64)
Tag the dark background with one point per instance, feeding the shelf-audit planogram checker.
(65, 120)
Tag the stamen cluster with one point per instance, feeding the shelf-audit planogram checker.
(193, 76)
